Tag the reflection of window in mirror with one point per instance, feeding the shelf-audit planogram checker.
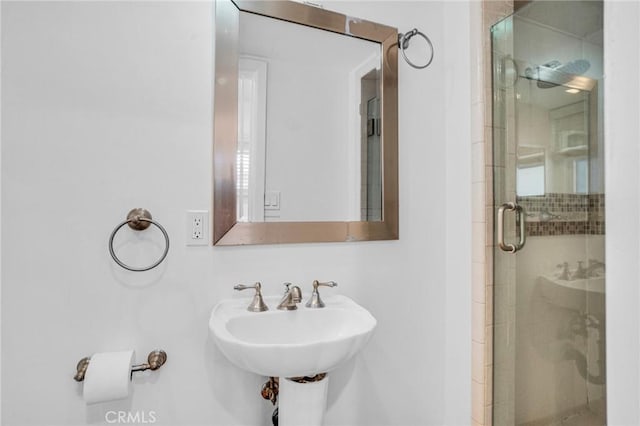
(581, 175)
(530, 173)
(252, 88)
(530, 180)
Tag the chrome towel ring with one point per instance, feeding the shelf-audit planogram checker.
(403, 43)
(138, 220)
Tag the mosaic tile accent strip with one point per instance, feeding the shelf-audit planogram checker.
(564, 214)
(542, 229)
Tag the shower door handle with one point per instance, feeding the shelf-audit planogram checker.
(511, 248)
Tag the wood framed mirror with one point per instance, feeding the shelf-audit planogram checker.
(305, 125)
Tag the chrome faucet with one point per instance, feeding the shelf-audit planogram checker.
(593, 266)
(546, 216)
(580, 273)
(257, 304)
(564, 275)
(314, 300)
(292, 296)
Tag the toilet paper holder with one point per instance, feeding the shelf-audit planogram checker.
(155, 360)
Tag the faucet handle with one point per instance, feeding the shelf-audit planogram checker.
(317, 284)
(564, 275)
(257, 304)
(315, 301)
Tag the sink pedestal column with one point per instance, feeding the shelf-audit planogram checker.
(302, 403)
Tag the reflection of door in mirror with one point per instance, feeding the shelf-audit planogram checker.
(303, 162)
(371, 162)
(366, 123)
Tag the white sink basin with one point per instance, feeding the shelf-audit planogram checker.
(580, 294)
(296, 343)
(592, 284)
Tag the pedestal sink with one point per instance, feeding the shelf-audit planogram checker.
(286, 344)
(571, 317)
(579, 294)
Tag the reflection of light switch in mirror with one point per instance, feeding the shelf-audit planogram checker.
(272, 200)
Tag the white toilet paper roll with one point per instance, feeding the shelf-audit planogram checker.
(108, 376)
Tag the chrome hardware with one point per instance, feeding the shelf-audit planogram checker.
(580, 273)
(564, 275)
(546, 216)
(138, 220)
(155, 360)
(257, 304)
(315, 301)
(511, 248)
(292, 296)
(593, 265)
(403, 44)
(81, 369)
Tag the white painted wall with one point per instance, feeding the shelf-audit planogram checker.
(107, 106)
(308, 139)
(622, 183)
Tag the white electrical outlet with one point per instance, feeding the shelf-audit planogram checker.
(197, 227)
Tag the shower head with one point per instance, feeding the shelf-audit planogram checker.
(577, 67)
(555, 73)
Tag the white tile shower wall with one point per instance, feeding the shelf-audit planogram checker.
(478, 345)
(484, 14)
(107, 106)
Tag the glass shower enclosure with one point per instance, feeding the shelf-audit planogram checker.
(548, 172)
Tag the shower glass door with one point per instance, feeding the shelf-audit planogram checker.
(549, 286)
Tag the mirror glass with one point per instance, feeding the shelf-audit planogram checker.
(308, 124)
(553, 152)
(305, 125)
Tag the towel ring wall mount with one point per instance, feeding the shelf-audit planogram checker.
(403, 44)
(139, 219)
